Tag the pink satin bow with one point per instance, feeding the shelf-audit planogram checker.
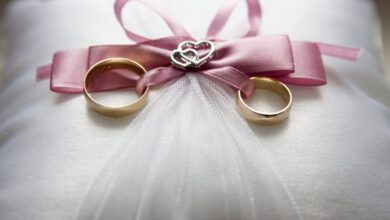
(292, 62)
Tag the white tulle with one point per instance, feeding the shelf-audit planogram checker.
(189, 155)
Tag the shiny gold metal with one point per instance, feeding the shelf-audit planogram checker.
(263, 118)
(106, 65)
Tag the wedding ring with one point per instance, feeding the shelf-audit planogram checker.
(110, 64)
(264, 118)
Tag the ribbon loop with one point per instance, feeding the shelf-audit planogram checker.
(176, 29)
(222, 16)
(220, 19)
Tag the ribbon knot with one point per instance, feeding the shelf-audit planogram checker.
(233, 62)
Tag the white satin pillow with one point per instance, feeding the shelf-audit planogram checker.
(333, 154)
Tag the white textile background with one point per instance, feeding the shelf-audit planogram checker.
(332, 155)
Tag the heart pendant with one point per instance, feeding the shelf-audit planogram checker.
(191, 54)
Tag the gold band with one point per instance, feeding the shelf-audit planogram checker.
(262, 118)
(106, 65)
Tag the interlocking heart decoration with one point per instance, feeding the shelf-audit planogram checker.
(191, 54)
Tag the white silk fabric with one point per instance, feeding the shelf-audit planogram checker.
(188, 154)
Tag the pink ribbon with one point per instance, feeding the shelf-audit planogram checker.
(292, 62)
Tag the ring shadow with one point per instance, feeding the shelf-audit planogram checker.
(269, 130)
(96, 118)
(110, 122)
(301, 95)
(61, 98)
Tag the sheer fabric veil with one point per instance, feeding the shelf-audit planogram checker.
(189, 155)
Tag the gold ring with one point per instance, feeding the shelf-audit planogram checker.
(106, 65)
(263, 118)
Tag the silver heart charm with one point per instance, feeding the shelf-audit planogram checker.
(180, 58)
(188, 54)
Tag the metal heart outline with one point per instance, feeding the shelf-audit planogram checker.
(192, 46)
(184, 56)
(197, 45)
(184, 61)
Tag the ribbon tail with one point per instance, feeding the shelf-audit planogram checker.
(68, 70)
(234, 78)
(43, 72)
(308, 63)
(342, 52)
